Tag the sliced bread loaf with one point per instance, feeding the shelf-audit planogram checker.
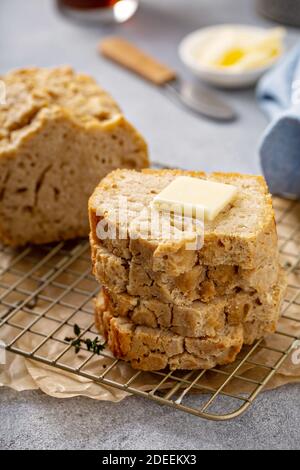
(243, 234)
(60, 133)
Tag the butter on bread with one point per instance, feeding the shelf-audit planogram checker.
(195, 197)
(243, 234)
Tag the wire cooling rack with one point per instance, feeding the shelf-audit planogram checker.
(45, 290)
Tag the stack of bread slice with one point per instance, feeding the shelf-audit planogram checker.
(163, 305)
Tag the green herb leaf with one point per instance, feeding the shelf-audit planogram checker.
(92, 345)
(76, 343)
(77, 330)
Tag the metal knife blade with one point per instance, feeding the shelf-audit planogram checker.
(200, 100)
(195, 97)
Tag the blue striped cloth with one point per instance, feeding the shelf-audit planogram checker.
(278, 94)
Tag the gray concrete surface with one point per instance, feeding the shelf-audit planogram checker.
(33, 33)
(31, 420)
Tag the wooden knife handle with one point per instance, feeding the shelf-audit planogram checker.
(128, 55)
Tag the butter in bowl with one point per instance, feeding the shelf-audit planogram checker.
(232, 56)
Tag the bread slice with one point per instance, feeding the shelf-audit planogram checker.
(243, 234)
(60, 133)
(200, 283)
(154, 349)
(148, 348)
(199, 318)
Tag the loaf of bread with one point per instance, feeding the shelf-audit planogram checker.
(200, 283)
(60, 133)
(243, 234)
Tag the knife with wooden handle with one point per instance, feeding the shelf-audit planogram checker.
(197, 98)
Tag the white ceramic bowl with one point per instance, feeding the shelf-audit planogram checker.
(224, 78)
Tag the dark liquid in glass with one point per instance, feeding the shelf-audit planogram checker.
(89, 4)
(100, 11)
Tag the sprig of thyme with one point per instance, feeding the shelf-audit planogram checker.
(92, 345)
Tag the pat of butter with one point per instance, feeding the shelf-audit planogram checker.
(194, 197)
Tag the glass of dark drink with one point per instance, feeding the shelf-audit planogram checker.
(105, 11)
